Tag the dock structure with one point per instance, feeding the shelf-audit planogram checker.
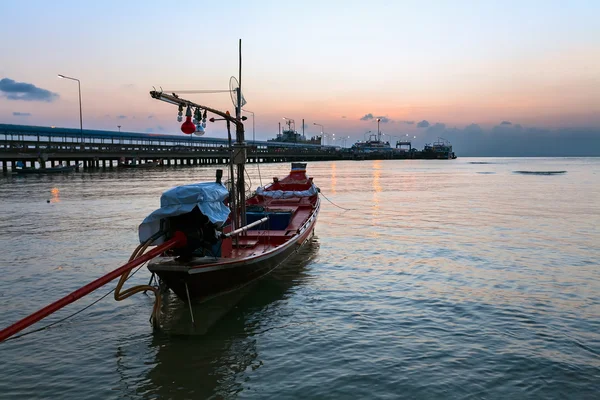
(51, 146)
(402, 144)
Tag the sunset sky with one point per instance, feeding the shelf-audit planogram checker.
(533, 64)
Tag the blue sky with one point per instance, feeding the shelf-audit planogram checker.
(457, 63)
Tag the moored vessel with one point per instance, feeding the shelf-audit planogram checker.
(209, 239)
(372, 147)
(441, 149)
(217, 259)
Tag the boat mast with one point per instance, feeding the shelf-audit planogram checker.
(240, 147)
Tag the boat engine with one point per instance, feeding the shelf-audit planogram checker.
(203, 237)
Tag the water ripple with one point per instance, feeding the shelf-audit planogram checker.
(443, 280)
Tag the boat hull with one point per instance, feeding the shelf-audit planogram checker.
(203, 282)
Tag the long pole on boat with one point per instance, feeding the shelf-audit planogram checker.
(241, 145)
(234, 199)
(178, 240)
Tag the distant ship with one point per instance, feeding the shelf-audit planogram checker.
(290, 135)
(372, 148)
(439, 150)
(295, 137)
(375, 149)
(373, 145)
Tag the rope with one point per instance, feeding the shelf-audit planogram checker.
(139, 250)
(343, 208)
(259, 177)
(390, 213)
(71, 315)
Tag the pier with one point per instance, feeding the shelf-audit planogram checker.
(52, 146)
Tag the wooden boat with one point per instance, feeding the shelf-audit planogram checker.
(210, 239)
(53, 170)
(281, 217)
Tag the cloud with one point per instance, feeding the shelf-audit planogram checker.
(343, 116)
(150, 116)
(122, 117)
(423, 124)
(25, 91)
(507, 127)
(370, 116)
(407, 122)
(21, 114)
(438, 128)
(515, 141)
(473, 129)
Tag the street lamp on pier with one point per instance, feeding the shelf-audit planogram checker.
(80, 113)
(322, 133)
(344, 141)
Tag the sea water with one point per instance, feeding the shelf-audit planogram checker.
(461, 278)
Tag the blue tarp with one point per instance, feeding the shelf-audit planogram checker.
(208, 196)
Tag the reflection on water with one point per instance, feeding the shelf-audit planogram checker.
(376, 185)
(189, 365)
(333, 178)
(55, 195)
(441, 279)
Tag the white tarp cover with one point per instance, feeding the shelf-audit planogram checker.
(286, 194)
(208, 196)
